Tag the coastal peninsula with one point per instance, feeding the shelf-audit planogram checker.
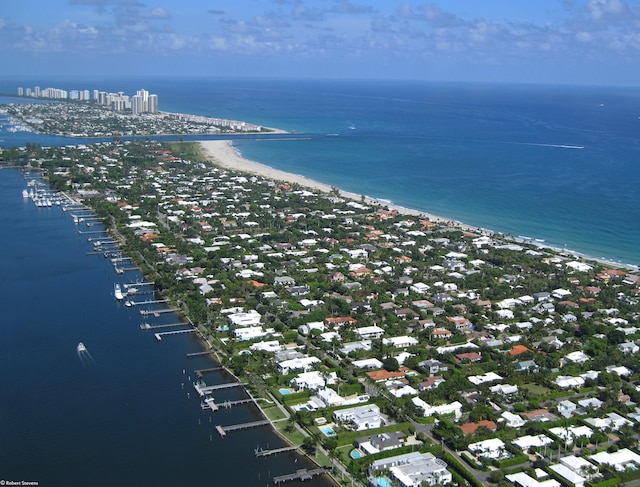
(388, 337)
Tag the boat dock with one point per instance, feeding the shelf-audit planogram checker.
(209, 403)
(156, 312)
(265, 453)
(200, 354)
(302, 474)
(151, 301)
(201, 372)
(147, 326)
(177, 332)
(223, 430)
(202, 389)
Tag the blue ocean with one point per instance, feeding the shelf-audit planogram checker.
(557, 164)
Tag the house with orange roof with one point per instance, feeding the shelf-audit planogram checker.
(470, 428)
(339, 321)
(384, 375)
(518, 349)
(468, 357)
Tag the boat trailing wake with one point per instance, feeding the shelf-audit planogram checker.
(83, 354)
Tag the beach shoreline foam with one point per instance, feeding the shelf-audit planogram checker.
(225, 155)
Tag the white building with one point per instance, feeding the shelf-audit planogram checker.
(250, 318)
(369, 332)
(304, 363)
(454, 408)
(491, 448)
(620, 460)
(360, 417)
(414, 469)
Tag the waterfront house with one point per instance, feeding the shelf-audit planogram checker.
(414, 469)
(381, 442)
(360, 417)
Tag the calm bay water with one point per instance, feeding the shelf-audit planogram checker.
(123, 416)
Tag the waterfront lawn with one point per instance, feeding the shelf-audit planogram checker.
(295, 436)
(273, 412)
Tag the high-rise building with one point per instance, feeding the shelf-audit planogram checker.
(153, 103)
(21, 91)
(37, 91)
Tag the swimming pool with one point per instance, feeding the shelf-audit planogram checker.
(383, 482)
(284, 392)
(327, 430)
(355, 454)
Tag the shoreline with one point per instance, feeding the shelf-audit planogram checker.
(224, 154)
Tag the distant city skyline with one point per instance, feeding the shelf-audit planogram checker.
(141, 102)
(547, 41)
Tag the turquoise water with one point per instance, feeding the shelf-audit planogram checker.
(383, 482)
(285, 392)
(355, 454)
(327, 431)
(554, 163)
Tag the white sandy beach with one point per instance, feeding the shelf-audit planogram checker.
(223, 154)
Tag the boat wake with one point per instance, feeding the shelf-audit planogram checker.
(558, 146)
(84, 355)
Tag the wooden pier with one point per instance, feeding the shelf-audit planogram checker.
(177, 332)
(203, 389)
(151, 301)
(156, 312)
(209, 403)
(223, 430)
(147, 326)
(200, 354)
(302, 474)
(265, 453)
(201, 372)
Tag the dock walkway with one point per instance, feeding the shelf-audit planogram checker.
(177, 332)
(203, 389)
(223, 430)
(265, 453)
(156, 312)
(302, 474)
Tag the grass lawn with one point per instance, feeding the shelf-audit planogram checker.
(537, 391)
(273, 412)
(294, 437)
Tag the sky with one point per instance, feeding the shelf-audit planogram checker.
(595, 42)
